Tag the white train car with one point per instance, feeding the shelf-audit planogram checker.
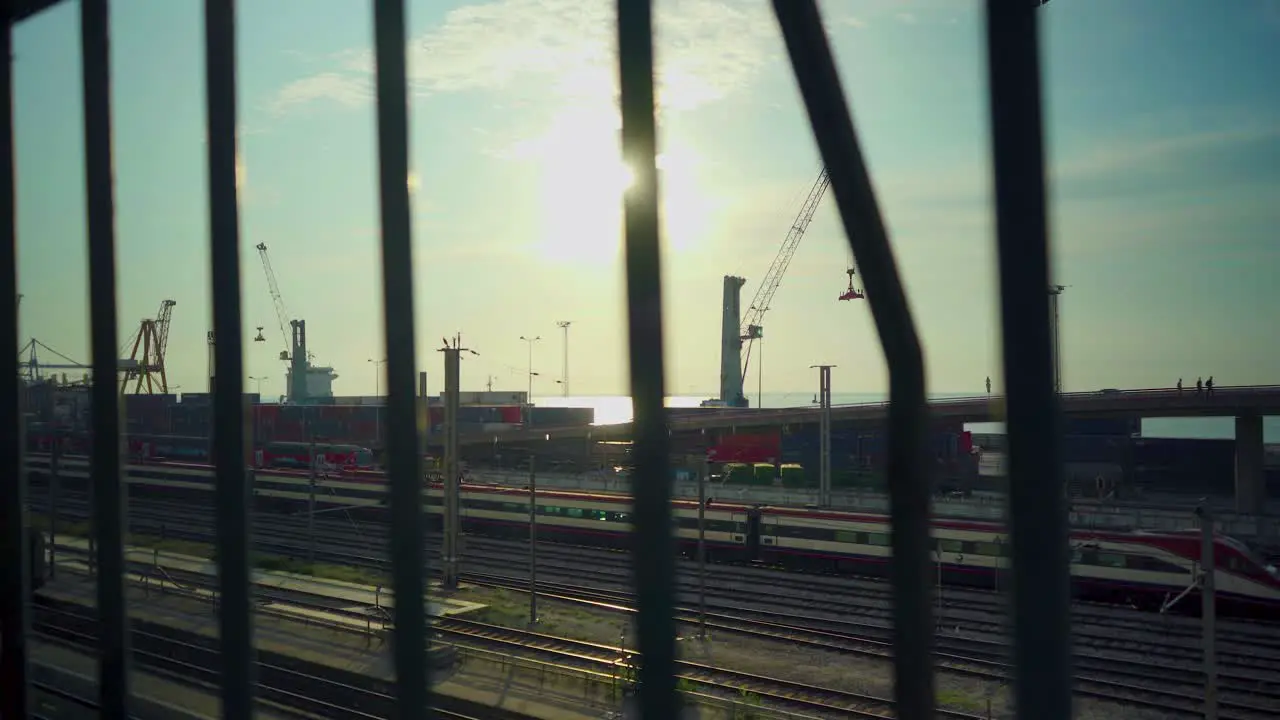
(1140, 568)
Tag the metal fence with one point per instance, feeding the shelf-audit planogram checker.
(1036, 512)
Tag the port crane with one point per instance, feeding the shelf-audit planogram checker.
(734, 360)
(282, 314)
(295, 339)
(152, 340)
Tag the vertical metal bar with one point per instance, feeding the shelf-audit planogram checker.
(404, 456)
(55, 457)
(908, 482)
(452, 465)
(229, 430)
(702, 550)
(311, 498)
(533, 543)
(108, 505)
(14, 559)
(1037, 518)
(653, 547)
(1208, 612)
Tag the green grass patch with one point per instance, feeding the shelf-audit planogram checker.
(270, 563)
(342, 573)
(957, 699)
(505, 615)
(137, 540)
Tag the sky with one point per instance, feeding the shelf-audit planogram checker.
(1163, 143)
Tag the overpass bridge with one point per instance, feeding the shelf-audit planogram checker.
(1247, 404)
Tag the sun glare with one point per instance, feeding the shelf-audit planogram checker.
(581, 186)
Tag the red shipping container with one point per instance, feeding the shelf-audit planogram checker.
(512, 415)
(743, 448)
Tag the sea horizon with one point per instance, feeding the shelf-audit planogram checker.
(612, 409)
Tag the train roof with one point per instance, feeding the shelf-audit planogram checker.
(978, 525)
(582, 495)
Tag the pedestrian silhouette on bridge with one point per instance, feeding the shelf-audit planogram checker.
(988, 384)
(1199, 386)
(1208, 385)
(1179, 386)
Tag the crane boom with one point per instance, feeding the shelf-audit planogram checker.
(752, 328)
(163, 319)
(282, 314)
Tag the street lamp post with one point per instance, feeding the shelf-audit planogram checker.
(377, 376)
(529, 395)
(564, 374)
(257, 383)
(377, 392)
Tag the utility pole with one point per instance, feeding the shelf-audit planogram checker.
(528, 420)
(564, 373)
(452, 465)
(377, 392)
(1054, 336)
(425, 399)
(1208, 612)
(212, 382)
(533, 544)
(824, 432)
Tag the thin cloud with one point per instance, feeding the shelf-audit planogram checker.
(1111, 157)
(1152, 153)
(706, 49)
(343, 89)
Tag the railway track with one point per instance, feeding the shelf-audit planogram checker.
(982, 610)
(287, 685)
(1152, 685)
(1171, 694)
(1175, 638)
(1247, 686)
(870, 596)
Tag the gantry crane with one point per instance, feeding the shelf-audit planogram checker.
(148, 368)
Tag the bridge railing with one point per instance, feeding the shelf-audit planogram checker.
(1188, 395)
(1038, 517)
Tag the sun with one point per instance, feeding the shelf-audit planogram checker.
(582, 182)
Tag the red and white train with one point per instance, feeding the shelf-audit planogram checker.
(1142, 568)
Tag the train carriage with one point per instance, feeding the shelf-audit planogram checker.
(1141, 568)
(1144, 569)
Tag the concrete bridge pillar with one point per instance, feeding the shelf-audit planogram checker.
(1251, 495)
